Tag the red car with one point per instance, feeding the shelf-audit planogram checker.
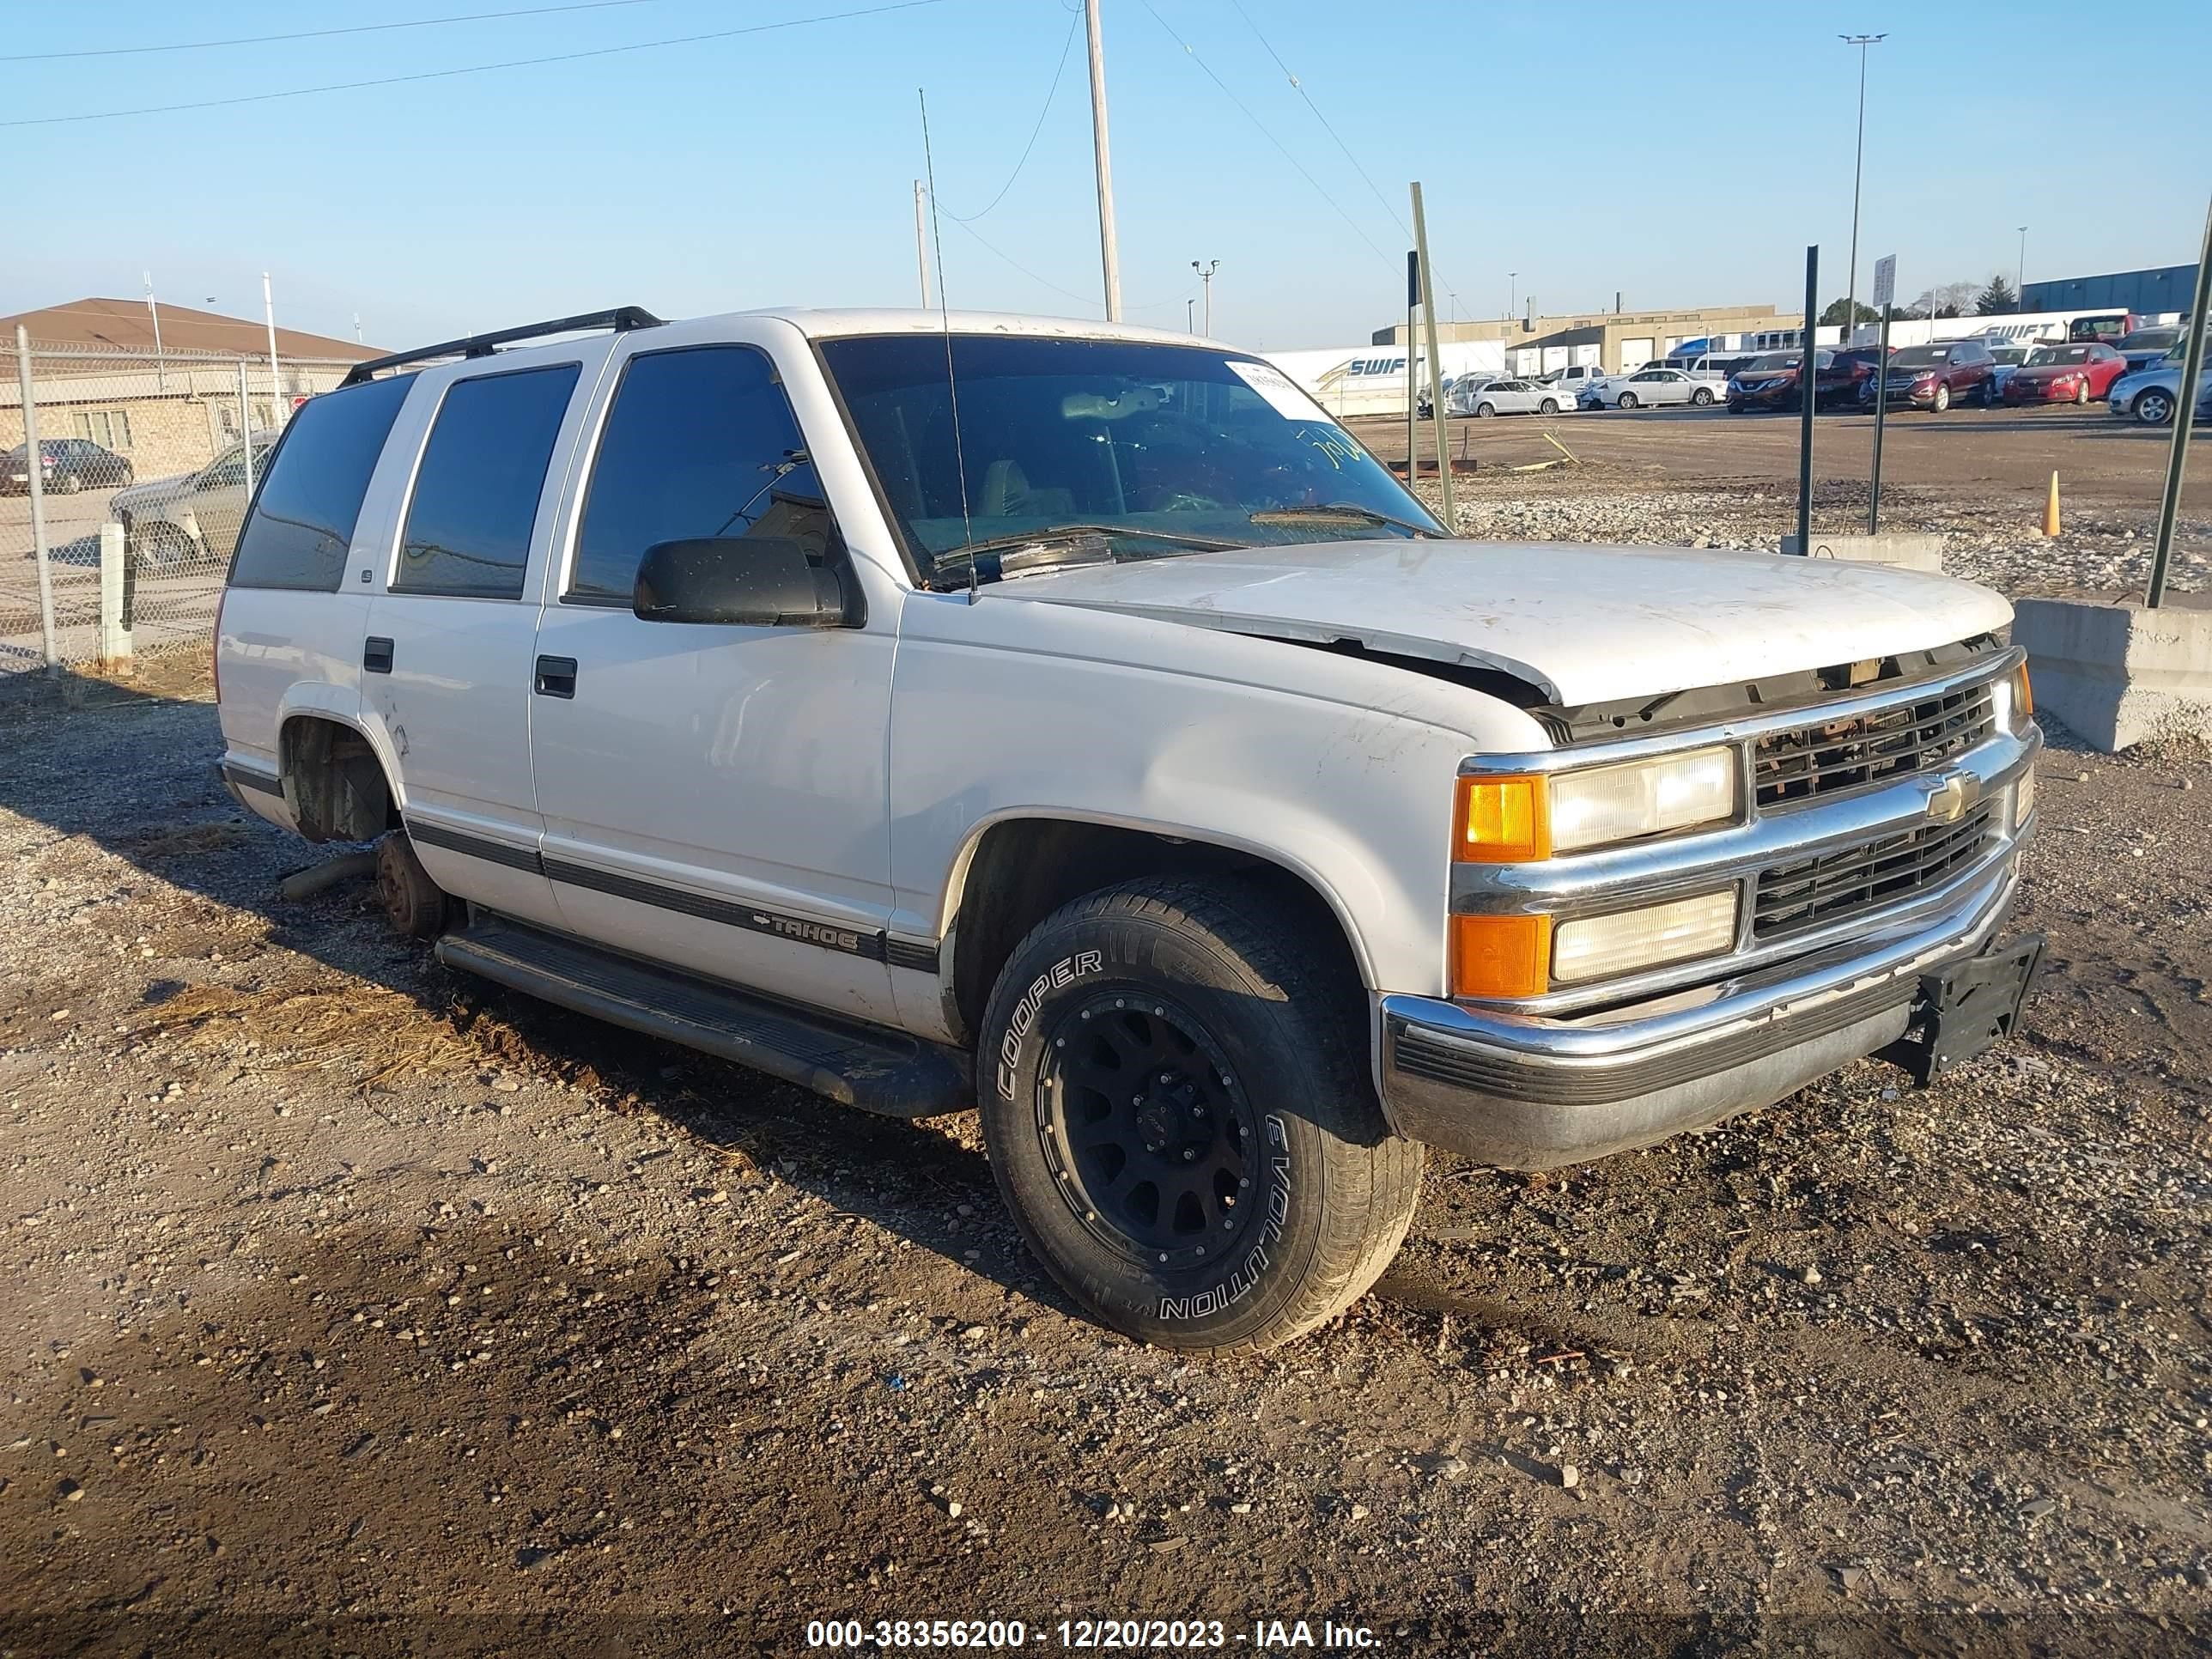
(2065, 374)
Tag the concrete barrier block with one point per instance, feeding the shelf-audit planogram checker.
(1909, 552)
(2116, 673)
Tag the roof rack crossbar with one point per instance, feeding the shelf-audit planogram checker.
(482, 346)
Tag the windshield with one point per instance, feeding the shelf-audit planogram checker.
(2049, 355)
(1772, 360)
(2012, 356)
(2151, 339)
(1926, 356)
(1159, 442)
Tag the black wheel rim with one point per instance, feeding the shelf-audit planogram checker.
(1148, 1134)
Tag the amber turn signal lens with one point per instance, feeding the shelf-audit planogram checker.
(1501, 956)
(1501, 820)
(2023, 693)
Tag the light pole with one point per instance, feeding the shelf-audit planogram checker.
(1858, 173)
(1206, 275)
(1512, 292)
(1190, 316)
(2020, 282)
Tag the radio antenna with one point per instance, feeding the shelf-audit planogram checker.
(945, 313)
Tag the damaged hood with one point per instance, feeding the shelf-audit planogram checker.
(1584, 624)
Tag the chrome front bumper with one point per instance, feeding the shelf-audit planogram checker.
(1523, 1092)
(1575, 1075)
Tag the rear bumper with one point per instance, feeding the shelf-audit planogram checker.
(1525, 1092)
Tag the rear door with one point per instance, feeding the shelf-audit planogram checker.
(714, 795)
(447, 661)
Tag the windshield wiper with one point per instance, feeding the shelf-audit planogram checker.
(1350, 511)
(1056, 546)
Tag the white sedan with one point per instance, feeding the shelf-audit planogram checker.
(1649, 388)
(1473, 395)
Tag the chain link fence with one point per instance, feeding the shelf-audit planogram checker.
(143, 475)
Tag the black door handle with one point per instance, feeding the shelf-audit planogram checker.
(556, 676)
(376, 655)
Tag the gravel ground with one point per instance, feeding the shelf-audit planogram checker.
(1987, 539)
(355, 1308)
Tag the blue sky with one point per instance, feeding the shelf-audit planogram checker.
(1678, 153)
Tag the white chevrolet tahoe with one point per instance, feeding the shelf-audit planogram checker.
(1073, 721)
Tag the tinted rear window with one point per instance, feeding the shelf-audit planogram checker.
(304, 514)
(475, 495)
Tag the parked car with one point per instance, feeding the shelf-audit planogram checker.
(1938, 374)
(2065, 374)
(2143, 348)
(1481, 398)
(1847, 375)
(2148, 396)
(67, 465)
(1771, 381)
(1215, 928)
(1574, 377)
(2007, 357)
(1654, 387)
(193, 517)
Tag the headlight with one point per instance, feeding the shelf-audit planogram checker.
(1601, 947)
(1526, 816)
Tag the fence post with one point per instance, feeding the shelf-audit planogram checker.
(2184, 422)
(32, 459)
(245, 427)
(114, 637)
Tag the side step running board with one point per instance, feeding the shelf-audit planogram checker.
(855, 1065)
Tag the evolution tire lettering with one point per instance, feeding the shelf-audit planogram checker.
(1248, 1272)
(1066, 970)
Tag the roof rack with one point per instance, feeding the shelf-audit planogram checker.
(482, 346)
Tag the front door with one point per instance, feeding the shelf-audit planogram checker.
(447, 661)
(714, 795)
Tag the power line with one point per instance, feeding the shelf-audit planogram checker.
(1059, 69)
(320, 35)
(477, 69)
(1043, 282)
(1299, 87)
(1085, 299)
(1193, 56)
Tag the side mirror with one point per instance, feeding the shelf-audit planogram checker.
(759, 581)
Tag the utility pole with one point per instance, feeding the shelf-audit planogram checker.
(1436, 359)
(1109, 256)
(2184, 419)
(160, 367)
(1206, 275)
(1858, 172)
(920, 247)
(1512, 292)
(276, 383)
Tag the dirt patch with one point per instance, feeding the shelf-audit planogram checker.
(353, 1309)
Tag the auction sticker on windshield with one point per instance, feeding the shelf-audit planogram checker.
(1282, 393)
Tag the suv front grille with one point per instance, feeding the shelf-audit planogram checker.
(1827, 756)
(1836, 886)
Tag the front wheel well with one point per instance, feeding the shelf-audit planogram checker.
(1024, 869)
(334, 783)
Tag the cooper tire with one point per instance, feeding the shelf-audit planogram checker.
(1179, 1024)
(414, 904)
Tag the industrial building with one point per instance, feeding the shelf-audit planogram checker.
(1619, 342)
(2146, 292)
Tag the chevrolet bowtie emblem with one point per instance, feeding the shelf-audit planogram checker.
(1949, 797)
